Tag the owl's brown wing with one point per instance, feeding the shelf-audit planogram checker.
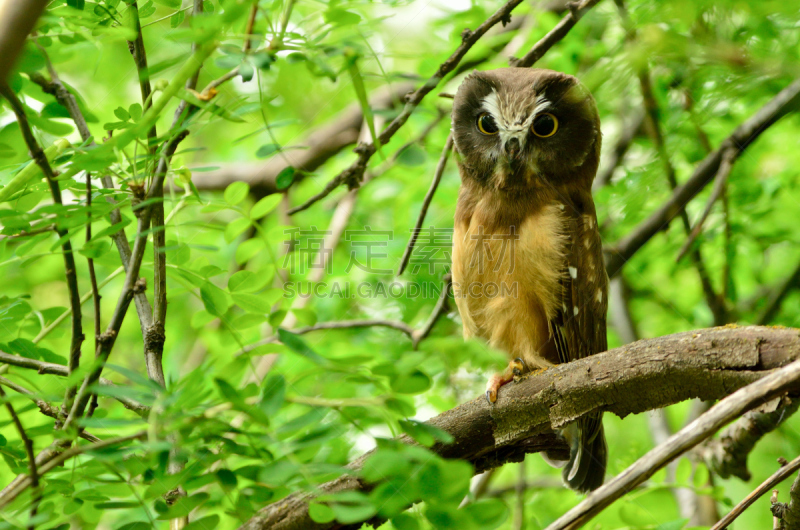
(579, 330)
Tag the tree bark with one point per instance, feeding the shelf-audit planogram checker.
(707, 364)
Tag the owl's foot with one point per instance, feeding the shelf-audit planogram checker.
(513, 373)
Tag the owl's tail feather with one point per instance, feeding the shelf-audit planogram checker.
(588, 454)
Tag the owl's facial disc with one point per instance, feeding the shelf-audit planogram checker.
(513, 120)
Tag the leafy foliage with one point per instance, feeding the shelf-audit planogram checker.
(254, 409)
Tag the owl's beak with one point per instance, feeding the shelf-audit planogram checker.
(512, 148)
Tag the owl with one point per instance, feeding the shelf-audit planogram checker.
(528, 271)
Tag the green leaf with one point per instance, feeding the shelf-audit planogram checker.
(236, 192)
(253, 303)
(404, 521)
(700, 476)
(135, 110)
(248, 249)
(215, 299)
(273, 390)
(236, 228)
(77, 4)
(683, 472)
(264, 206)
(424, 433)
(488, 513)
(244, 282)
(267, 150)
(297, 345)
(285, 178)
(122, 114)
(227, 479)
(111, 230)
(413, 383)
(341, 17)
(320, 513)
(183, 506)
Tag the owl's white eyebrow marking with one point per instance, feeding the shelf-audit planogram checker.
(541, 104)
(490, 104)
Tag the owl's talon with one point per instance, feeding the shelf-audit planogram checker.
(517, 367)
(491, 396)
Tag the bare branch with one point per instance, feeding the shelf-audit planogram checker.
(783, 103)
(771, 482)
(700, 429)
(713, 301)
(439, 310)
(28, 443)
(352, 176)
(576, 11)
(727, 455)
(791, 512)
(66, 247)
(426, 203)
(716, 192)
(317, 148)
(59, 369)
(44, 407)
(647, 374)
(55, 457)
(776, 298)
(17, 19)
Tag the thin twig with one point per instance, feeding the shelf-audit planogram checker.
(784, 102)
(90, 261)
(426, 203)
(439, 309)
(57, 89)
(776, 298)
(28, 443)
(59, 369)
(53, 460)
(352, 176)
(576, 11)
(771, 482)
(69, 259)
(726, 455)
(716, 192)
(713, 301)
(44, 407)
(700, 429)
(248, 32)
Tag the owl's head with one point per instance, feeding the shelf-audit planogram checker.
(522, 128)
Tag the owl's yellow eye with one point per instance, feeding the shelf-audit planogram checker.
(486, 124)
(545, 125)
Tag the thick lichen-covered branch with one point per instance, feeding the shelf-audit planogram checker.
(647, 374)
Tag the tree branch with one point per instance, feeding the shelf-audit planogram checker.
(59, 369)
(723, 172)
(727, 454)
(426, 203)
(17, 19)
(576, 11)
(644, 375)
(776, 298)
(317, 148)
(44, 407)
(66, 247)
(783, 103)
(703, 427)
(771, 482)
(352, 176)
(28, 443)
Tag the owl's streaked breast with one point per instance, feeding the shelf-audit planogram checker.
(506, 279)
